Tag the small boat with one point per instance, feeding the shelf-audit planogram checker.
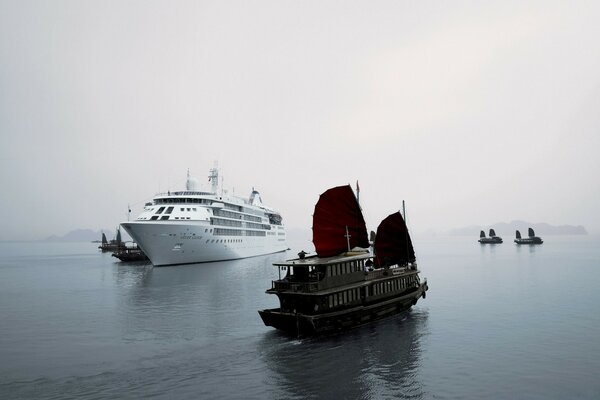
(130, 253)
(344, 284)
(489, 240)
(114, 245)
(532, 239)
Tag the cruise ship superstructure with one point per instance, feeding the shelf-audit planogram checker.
(194, 226)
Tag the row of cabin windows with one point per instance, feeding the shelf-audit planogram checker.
(224, 241)
(225, 222)
(235, 215)
(155, 217)
(237, 232)
(257, 226)
(238, 224)
(170, 209)
(343, 268)
(345, 297)
(393, 285)
(227, 214)
(252, 218)
(182, 200)
(165, 217)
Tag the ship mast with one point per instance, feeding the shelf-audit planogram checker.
(213, 178)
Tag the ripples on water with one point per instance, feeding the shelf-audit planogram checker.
(499, 322)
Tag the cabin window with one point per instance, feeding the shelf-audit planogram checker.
(345, 297)
(155, 217)
(160, 210)
(169, 210)
(164, 217)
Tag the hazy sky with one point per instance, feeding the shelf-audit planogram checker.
(473, 112)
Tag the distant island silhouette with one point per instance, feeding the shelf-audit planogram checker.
(86, 235)
(508, 229)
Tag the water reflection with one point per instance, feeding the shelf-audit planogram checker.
(132, 274)
(379, 360)
(206, 300)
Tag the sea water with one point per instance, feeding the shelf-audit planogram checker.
(499, 321)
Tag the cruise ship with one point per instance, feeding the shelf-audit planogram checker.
(193, 226)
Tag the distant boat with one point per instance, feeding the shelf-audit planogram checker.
(532, 239)
(344, 285)
(114, 245)
(489, 240)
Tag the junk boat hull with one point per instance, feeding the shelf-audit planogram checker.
(304, 324)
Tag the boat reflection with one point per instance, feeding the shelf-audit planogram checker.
(379, 360)
(208, 300)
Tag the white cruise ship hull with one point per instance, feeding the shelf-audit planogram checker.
(188, 242)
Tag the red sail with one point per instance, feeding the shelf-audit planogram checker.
(336, 210)
(392, 242)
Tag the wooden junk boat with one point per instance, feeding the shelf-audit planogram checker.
(489, 240)
(532, 239)
(340, 288)
(114, 245)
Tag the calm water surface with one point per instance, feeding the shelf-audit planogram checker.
(499, 321)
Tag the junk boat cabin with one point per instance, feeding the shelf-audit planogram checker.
(337, 289)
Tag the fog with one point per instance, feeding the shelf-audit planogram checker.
(471, 112)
